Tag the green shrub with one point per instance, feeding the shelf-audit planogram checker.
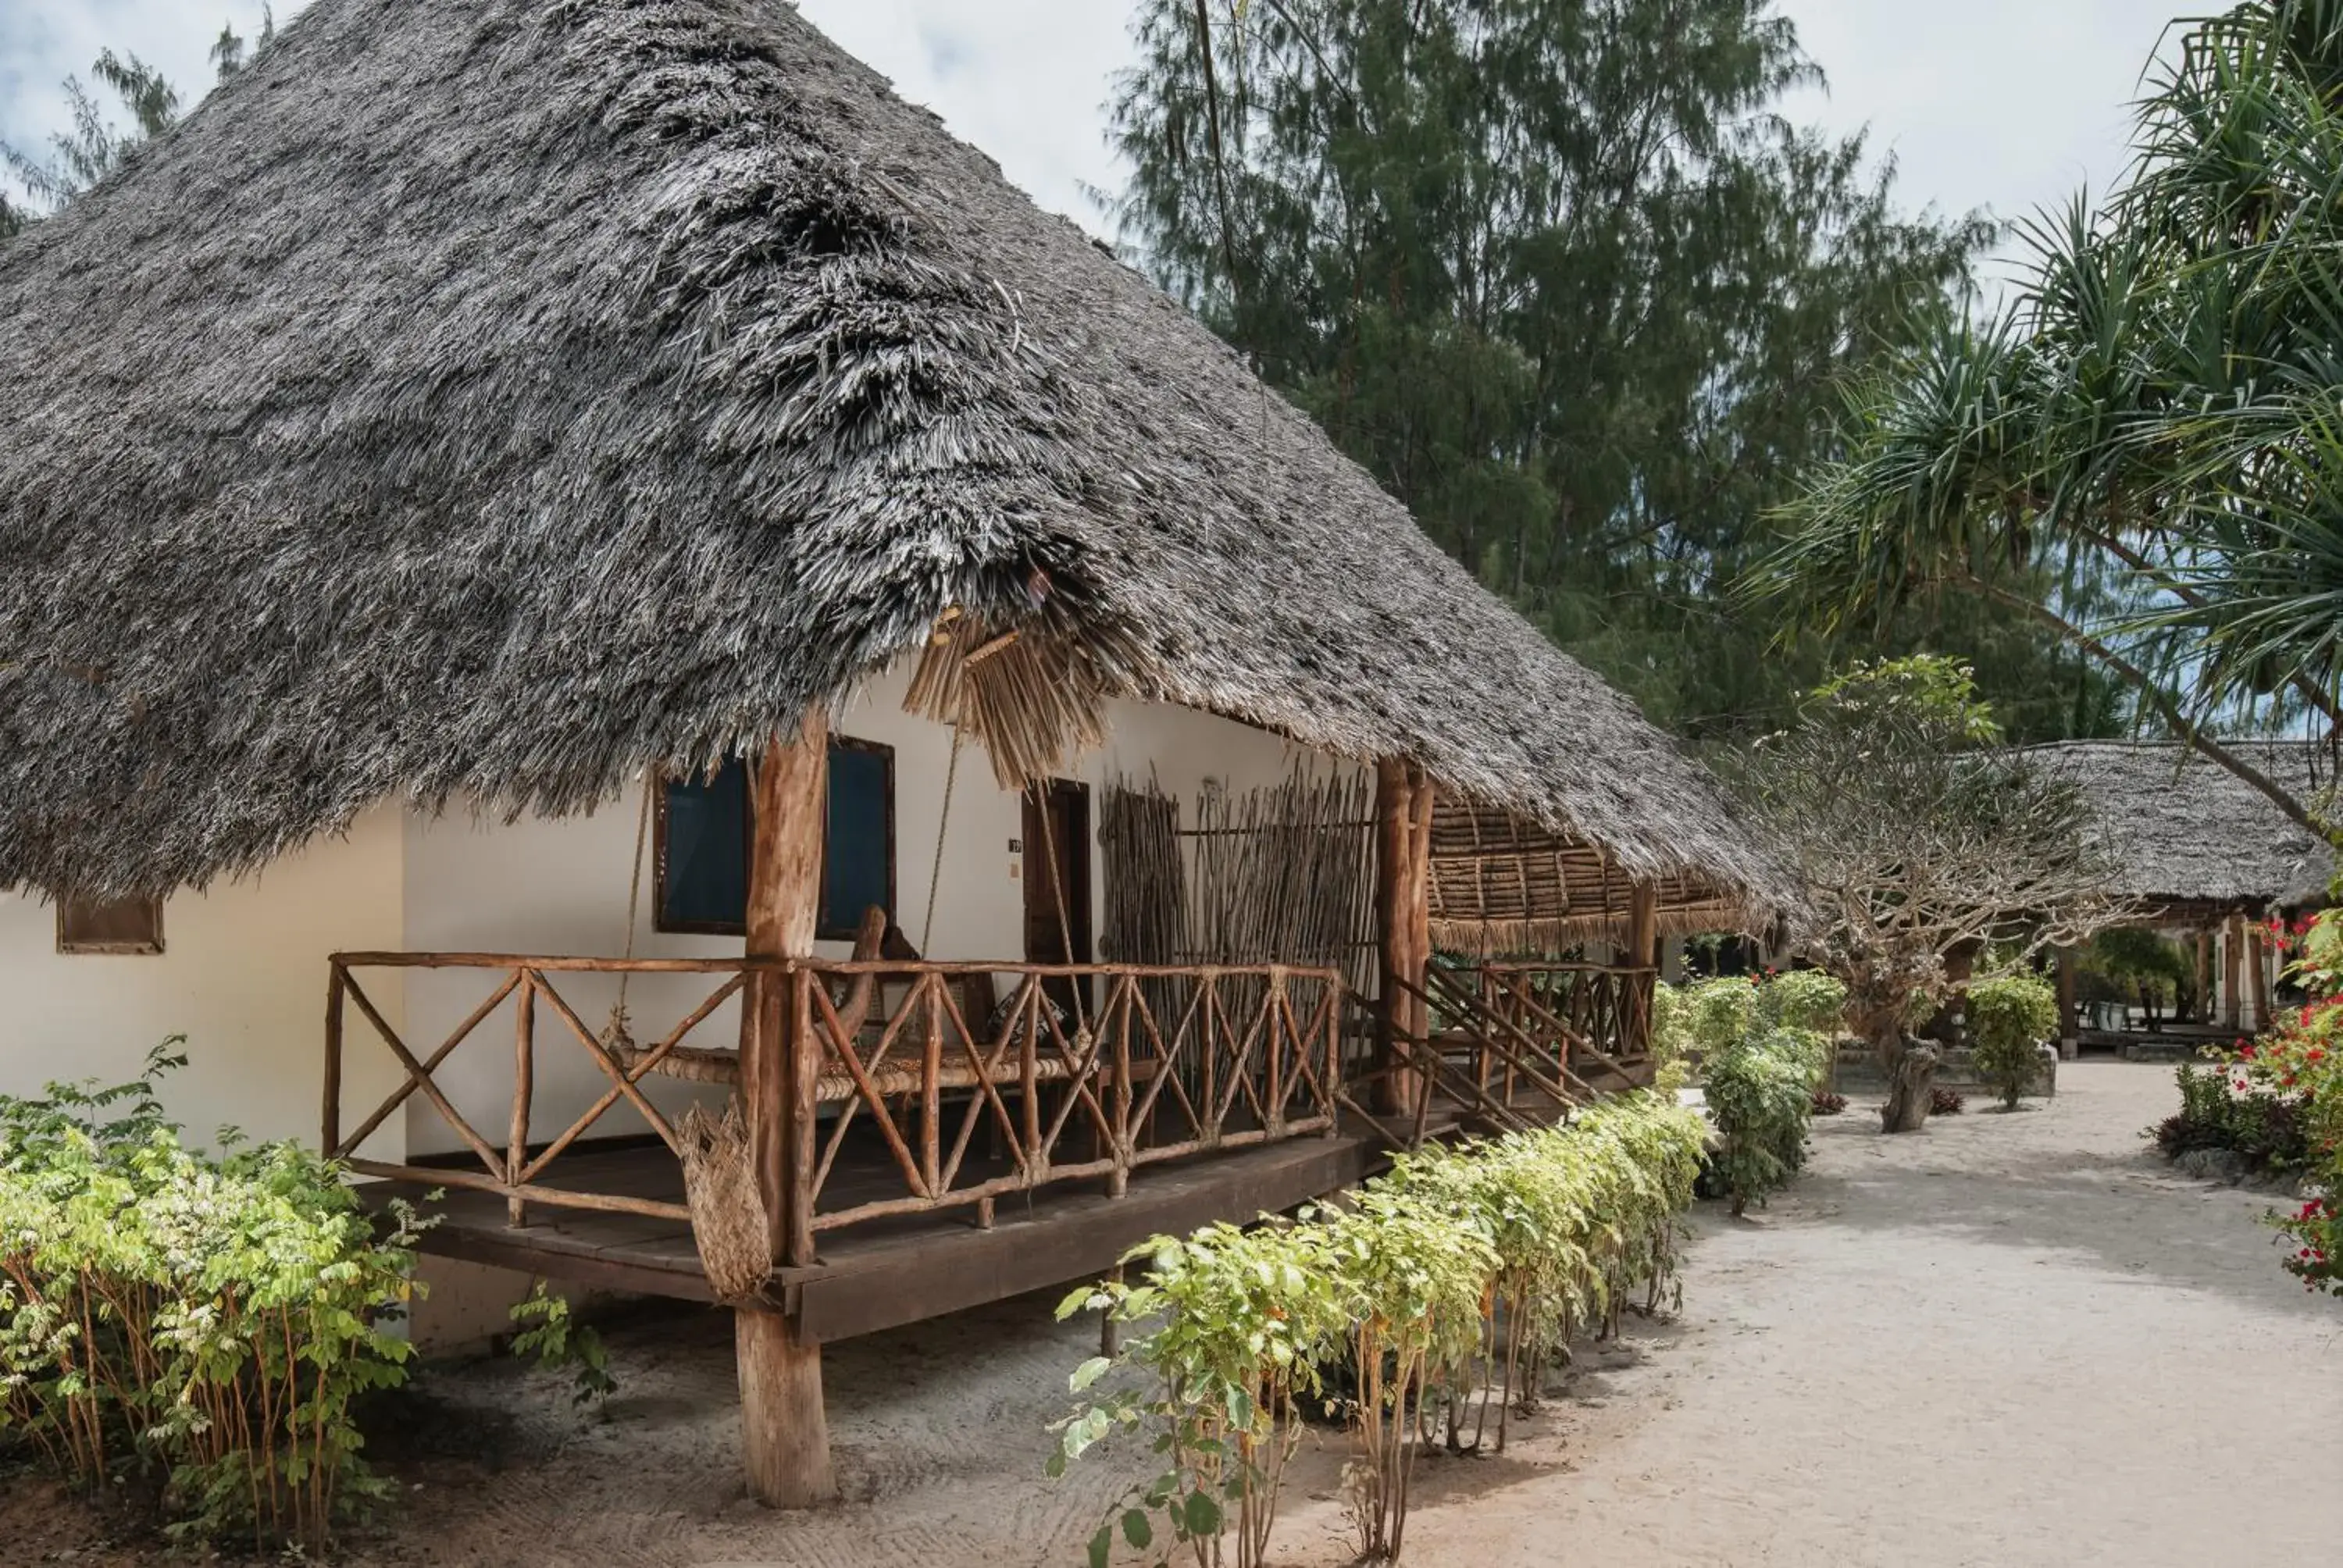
(198, 1326)
(1719, 1012)
(1760, 1094)
(2008, 1020)
(1431, 1283)
(1805, 999)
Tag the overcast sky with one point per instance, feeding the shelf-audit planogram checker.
(2008, 104)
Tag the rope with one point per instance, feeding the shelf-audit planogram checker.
(620, 1032)
(943, 826)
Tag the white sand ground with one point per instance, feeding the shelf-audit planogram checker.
(2012, 1340)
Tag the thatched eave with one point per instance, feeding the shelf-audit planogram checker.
(485, 399)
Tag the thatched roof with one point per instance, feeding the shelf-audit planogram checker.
(2185, 832)
(483, 399)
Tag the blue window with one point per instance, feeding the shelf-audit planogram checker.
(705, 832)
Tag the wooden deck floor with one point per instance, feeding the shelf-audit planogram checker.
(888, 1272)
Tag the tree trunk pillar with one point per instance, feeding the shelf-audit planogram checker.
(785, 1434)
(1404, 802)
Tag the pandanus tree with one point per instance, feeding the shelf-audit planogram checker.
(2156, 419)
(1918, 840)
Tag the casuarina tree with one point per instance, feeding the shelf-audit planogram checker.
(1563, 276)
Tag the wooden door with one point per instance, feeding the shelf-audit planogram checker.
(1057, 877)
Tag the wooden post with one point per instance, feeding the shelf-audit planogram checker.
(329, 1131)
(2257, 953)
(524, 1094)
(1642, 954)
(2204, 951)
(2069, 1028)
(785, 1434)
(2232, 969)
(1403, 918)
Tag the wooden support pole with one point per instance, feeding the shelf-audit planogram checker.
(2069, 1031)
(780, 1382)
(1642, 954)
(2258, 954)
(2232, 969)
(524, 1095)
(329, 1131)
(785, 1434)
(1403, 920)
(2204, 951)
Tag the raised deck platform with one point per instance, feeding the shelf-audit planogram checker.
(890, 1272)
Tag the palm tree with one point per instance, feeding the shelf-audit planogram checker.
(2157, 416)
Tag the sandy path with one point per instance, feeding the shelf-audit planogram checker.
(2014, 1340)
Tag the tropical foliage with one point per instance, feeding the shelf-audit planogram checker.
(1445, 1284)
(193, 1329)
(2152, 422)
(1767, 1046)
(2009, 1018)
(2300, 1062)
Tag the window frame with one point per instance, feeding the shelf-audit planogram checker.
(69, 946)
(661, 782)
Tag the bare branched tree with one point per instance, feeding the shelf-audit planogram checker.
(1918, 845)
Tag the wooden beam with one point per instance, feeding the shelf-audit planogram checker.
(785, 1434)
(1403, 920)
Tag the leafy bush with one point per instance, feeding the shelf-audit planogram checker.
(1433, 1282)
(2301, 1064)
(1827, 1103)
(1718, 1012)
(552, 1340)
(1760, 1093)
(1240, 1320)
(1946, 1102)
(2222, 1107)
(199, 1327)
(2009, 1019)
(1805, 999)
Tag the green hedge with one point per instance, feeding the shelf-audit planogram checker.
(1452, 1277)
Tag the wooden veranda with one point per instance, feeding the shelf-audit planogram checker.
(923, 1136)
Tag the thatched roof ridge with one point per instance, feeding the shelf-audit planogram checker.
(2183, 830)
(486, 399)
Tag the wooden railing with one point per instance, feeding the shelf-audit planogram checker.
(917, 1097)
(1597, 1019)
(1503, 1046)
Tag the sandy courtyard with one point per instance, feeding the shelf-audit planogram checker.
(2013, 1339)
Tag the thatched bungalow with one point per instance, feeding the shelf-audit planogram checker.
(606, 545)
(2204, 857)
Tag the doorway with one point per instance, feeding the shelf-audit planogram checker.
(1057, 877)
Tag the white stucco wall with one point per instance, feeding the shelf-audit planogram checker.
(242, 975)
(561, 887)
(243, 971)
